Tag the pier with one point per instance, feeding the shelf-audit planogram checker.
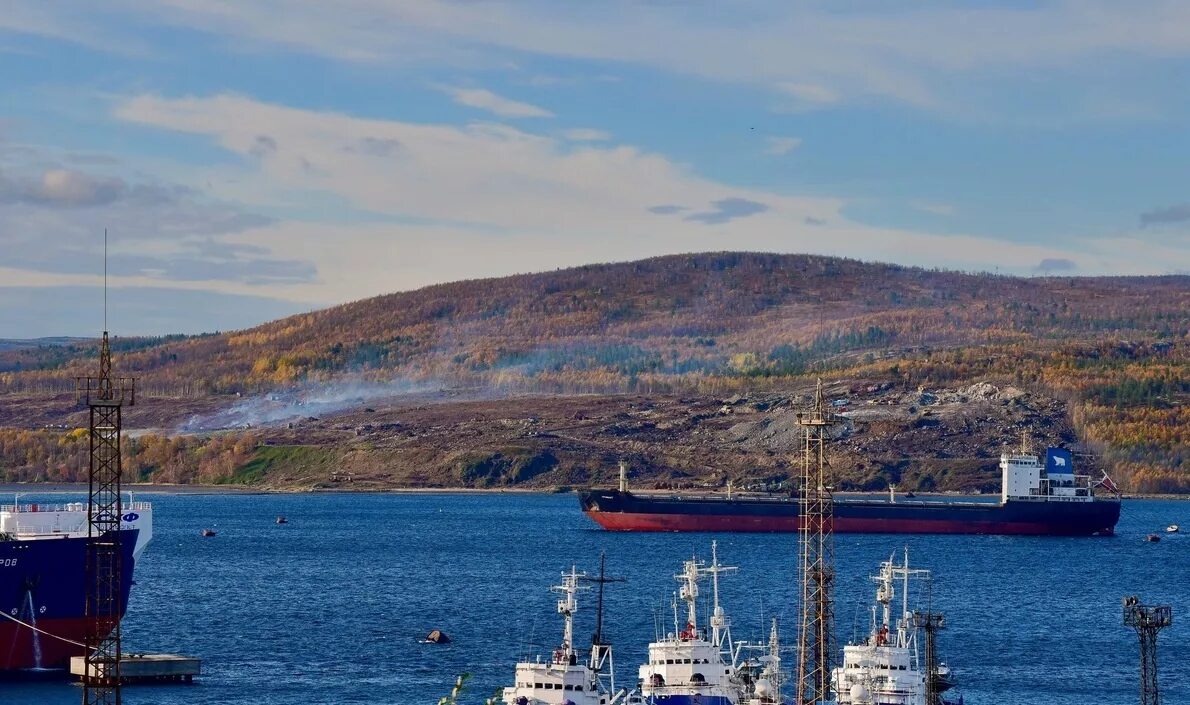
(149, 668)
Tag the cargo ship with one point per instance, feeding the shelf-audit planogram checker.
(1037, 499)
(43, 581)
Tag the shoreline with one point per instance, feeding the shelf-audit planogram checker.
(191, 489)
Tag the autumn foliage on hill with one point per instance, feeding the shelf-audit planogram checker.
(1114, 348)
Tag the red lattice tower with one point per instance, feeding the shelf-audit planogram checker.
(815, 642)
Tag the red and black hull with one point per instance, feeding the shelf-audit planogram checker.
(625, 511)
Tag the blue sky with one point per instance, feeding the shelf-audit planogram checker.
(255, 159)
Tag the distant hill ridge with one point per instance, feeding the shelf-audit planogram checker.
(672, 315)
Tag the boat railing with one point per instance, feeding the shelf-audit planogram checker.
(68, 507)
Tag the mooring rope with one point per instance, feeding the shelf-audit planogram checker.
(42, 631)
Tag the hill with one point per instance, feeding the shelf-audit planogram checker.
(1111, 351)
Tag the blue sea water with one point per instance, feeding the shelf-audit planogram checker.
(331, 607)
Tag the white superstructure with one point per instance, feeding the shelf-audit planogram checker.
(1025, 477)
(564, 678)
(690, 662)
(25, 522)
(885, 668)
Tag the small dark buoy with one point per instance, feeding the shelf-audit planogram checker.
(282, 520)
(208, 532)
(1153, 538)
(438, 637)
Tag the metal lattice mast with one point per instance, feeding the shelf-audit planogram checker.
(815, 643)
(600, 650)
(1148, 621)
(931, 623)
(105, 396)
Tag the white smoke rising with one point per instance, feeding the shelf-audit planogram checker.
(313, 399)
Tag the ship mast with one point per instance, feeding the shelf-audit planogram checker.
(689, 592)
(567, 606)
(720, 624)
(600, 650)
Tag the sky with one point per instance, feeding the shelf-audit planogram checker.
(255, 159)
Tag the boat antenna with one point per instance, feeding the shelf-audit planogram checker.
(600, 651)
(597, 638)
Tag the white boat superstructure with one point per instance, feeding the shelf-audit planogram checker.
(564, 679)
(1025, 476)
(689, 665)
(25, 522)
(886, 668)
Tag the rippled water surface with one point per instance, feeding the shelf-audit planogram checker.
(330, 608)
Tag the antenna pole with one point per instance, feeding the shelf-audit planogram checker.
(106, 578)
(105, 280)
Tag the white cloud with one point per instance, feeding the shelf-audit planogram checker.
(484, 200)
(586, 134)
(812, 52)
(504, 107)
(782, 145)
(809, 92)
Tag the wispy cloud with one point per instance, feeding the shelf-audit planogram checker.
(1164, 216)
(778, 146)
(1056, 264)
(808, 93)
(814, 54)
(727, 210)
(486, 199)
(483, 99)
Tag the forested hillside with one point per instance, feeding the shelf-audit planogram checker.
(1115, 350)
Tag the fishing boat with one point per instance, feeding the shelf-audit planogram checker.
(691, 665)
(43, 580)
(886, 667)
(563, 677)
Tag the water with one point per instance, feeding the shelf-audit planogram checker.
(330, 608)
(30, 616)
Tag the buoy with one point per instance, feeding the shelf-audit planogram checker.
(437, 637)
(282, 520)
(208, 532)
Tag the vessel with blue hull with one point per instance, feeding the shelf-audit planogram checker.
(43, 596)
(44, 579)
(1036, 499)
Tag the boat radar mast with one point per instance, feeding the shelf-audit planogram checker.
(693, 571)
(567, 606)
